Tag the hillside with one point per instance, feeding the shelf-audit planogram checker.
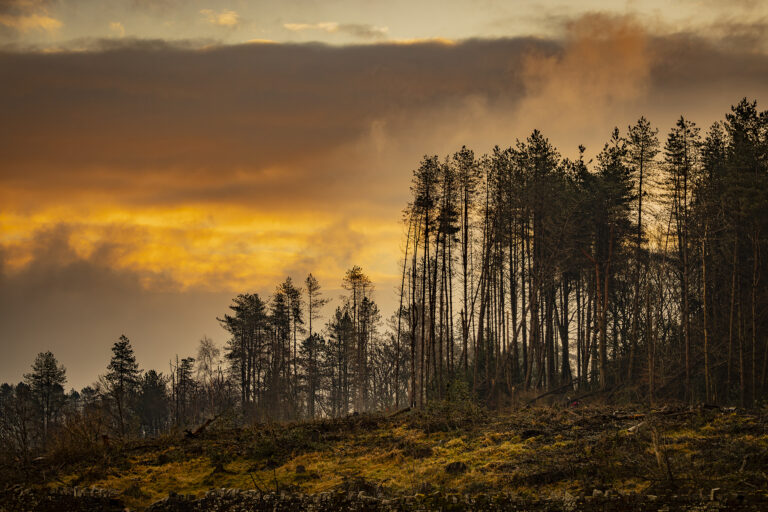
(461, 456)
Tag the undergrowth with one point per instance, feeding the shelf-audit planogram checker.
(450, 447)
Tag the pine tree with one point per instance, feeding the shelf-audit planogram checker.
(681, 153)
(152, 405)
(642, 148)
(122, 381)
(46, 383)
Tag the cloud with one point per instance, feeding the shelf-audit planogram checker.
(30, 22)
(27, 15)
(359, 30)
(117, 28)
(261, 41)
(741, 36)
(424, 40)
(327, 26)
(224, 18)
(605, 66)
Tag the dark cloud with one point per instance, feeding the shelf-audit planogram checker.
(261, 122)
(742, 36)
(215, 122)
(19, 7)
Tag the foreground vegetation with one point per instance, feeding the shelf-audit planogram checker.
(558, 453)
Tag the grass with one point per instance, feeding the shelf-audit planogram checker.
(539, 452)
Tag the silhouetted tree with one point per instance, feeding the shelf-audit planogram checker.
(121, 381)
(46, 384)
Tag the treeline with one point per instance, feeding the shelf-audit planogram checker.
(285, 368)
(278, 364)
(640, 272)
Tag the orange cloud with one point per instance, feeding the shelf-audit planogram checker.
(26, 23)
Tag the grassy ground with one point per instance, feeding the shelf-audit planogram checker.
(456, 448)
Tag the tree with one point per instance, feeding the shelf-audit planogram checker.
(312, 344)
(468, 177)
(338, 359)
(607, 198)
(642, 148)
(293, 295)
(310, 350)
(184, 388)
(314, 301)
(358, 302)
(46, 383)
(152, 405)
(248, 350)
(122, 380)
(207, 365)
(681, 153)
(17, 418)
(280, 389)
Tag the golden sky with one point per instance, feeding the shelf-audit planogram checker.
(158, 157)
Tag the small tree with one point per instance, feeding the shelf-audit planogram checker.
(184, 389)
(208, 361)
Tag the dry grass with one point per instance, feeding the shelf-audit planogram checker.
(537, 452)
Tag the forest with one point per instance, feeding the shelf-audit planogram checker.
(635, 277)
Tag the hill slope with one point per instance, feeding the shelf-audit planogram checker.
(548, 456)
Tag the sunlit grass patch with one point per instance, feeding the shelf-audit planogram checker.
(142, 484)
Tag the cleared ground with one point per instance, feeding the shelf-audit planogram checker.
(451, 451)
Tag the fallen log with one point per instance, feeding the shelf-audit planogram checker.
(551, 392)
(192, 434)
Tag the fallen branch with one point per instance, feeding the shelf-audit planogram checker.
(199, 430)
(550, 392)
(398, 413)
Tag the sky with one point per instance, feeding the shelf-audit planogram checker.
(157, 157)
